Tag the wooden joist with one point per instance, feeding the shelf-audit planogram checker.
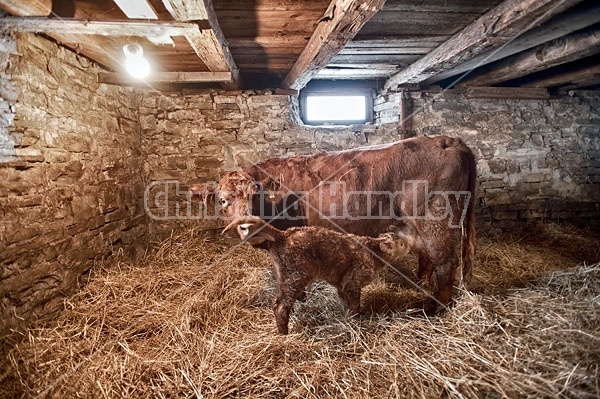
(571, 78)
(67, 26)
(558, 51)
(498, 26)
(210, 45)
(342, 20)
(165, 77)
(35, 8)
(573, 20)
(506, 92)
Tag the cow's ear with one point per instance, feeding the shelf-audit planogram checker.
(206, 192)
(253, 187)
(270, 184)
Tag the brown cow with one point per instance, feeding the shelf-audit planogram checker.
(425, 182)
(302, 255)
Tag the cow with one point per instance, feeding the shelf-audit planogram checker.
(302, 255)
(426, 182)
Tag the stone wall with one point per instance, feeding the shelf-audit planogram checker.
(537, 159)
(70, 173)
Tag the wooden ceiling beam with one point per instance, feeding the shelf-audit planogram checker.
(165, 77)
(210, 45)
(340, 23)
(556, 52)
(36, 8)
(571, 21)
(574, 77)
(155, 29)
(496, 27)
(507, 93)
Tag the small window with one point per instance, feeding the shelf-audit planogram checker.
(345, 106)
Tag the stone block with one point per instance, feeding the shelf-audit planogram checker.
(498, 196)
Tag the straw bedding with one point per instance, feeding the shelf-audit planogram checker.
(193, 319)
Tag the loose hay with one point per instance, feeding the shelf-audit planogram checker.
(193, 319)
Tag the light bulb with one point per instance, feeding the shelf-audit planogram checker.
(135, 63)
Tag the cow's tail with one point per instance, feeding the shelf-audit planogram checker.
(468, 225)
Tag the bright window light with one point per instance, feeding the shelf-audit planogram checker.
(335, 108)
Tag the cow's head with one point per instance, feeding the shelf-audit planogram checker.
(233, 194)
(204, 191)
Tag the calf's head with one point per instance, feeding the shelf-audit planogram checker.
(253, 230)
(397, 243)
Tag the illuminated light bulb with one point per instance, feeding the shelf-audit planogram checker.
(135, 63)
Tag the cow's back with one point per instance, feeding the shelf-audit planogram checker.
(338, 182)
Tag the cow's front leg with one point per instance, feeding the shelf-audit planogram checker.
(444, 261)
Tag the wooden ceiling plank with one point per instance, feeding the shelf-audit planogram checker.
(144, 28)
(210, 44)
(571, 21)
(497, 26)
(34, 8)
(136, 9)
(141, 9)
(577, 76)
(165, 77)
(186, 10)
(556, 52)
(342, 20)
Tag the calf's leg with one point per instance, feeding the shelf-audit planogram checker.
(350, 294)
(283, 306)
(425, 268)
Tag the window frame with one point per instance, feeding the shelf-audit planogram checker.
(343, 91)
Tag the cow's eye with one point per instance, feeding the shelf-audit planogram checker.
(223, 201)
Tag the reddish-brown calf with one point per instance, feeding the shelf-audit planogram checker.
(304, 254)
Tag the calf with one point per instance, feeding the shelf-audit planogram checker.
(304, 254)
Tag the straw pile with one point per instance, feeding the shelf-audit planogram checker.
(193, 319)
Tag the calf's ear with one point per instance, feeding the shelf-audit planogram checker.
(255, 233)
